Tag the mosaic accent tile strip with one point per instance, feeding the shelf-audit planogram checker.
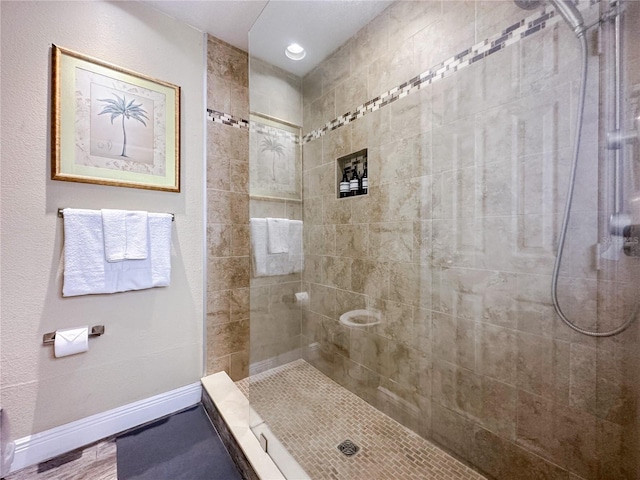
(227, 119)
(312, 415)
(510, 35)
(252, 126)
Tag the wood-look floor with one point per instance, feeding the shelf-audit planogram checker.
(94, 462)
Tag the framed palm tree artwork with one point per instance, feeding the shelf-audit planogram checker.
(276, 158)
(112, 126)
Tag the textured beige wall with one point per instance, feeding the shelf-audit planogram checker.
(455, 246)
(153, 340)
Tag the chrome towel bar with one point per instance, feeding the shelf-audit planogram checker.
(61, 214)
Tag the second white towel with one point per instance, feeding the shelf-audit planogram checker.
(267, 264)
(125, 235)
(278, 235)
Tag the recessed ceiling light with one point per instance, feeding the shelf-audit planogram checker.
(295, 52)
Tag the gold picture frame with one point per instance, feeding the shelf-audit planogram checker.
(112, 126)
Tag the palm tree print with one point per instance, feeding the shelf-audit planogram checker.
(270, 144)
(120, 107)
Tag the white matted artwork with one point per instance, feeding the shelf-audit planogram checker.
(112, 126)
(276, 159)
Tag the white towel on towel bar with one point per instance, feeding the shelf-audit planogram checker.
(278, 235)
(125, 234)
(267, 264)
(86, 270)
(264, 263)
(296, 256)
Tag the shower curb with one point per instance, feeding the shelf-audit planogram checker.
(232, 416)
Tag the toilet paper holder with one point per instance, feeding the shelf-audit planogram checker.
(49, 338)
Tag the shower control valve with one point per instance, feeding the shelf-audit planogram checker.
(618, 222)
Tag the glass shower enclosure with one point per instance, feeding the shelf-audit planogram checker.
(420, 314)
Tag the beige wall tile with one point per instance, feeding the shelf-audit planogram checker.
(410, 283)
(336, 68)
(218, 307)
(337, 272)
(543, 367)
(352, 240)
(230, 337)
(226, 61)
(370, 350)
(322, 300)
(370, 42)
(370, 277)
(408, 18)
(239, 177)
(240, 304)
(218, 172)
(347, 301)
(497, 351)
(336, 210)
(218, 93)
(391, 241)
(563, 435)
(352, 92)
(218, 240)
(453, 340)
(392, 69)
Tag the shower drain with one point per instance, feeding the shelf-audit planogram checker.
(348, 448)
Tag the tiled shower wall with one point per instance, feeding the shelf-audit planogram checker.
(228, 241)
(456, 240)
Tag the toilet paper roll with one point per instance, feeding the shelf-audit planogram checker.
(70, 341)
(302, 298)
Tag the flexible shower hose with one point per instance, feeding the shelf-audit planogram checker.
(567, 210)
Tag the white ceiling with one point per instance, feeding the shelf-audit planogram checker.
(320, 26)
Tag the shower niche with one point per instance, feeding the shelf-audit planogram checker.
(352, 175)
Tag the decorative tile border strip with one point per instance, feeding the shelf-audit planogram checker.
(509, 36)
(227, 119)
(469, 56)
(252, 126)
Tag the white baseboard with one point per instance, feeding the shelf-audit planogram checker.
(43, 446)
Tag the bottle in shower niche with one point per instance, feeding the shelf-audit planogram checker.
(364, 181)
(354, 184)
(344, 185)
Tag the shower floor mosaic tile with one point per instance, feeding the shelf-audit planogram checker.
(311, 415)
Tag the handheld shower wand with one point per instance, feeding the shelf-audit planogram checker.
(573, 18)
(566, 8)
(571, 15)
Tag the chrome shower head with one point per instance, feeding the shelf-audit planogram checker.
(566, 9)
(528, 4)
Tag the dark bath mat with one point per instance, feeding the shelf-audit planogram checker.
(182, 446)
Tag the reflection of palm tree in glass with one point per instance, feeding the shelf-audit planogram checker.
(120, 107)
(270, 144)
